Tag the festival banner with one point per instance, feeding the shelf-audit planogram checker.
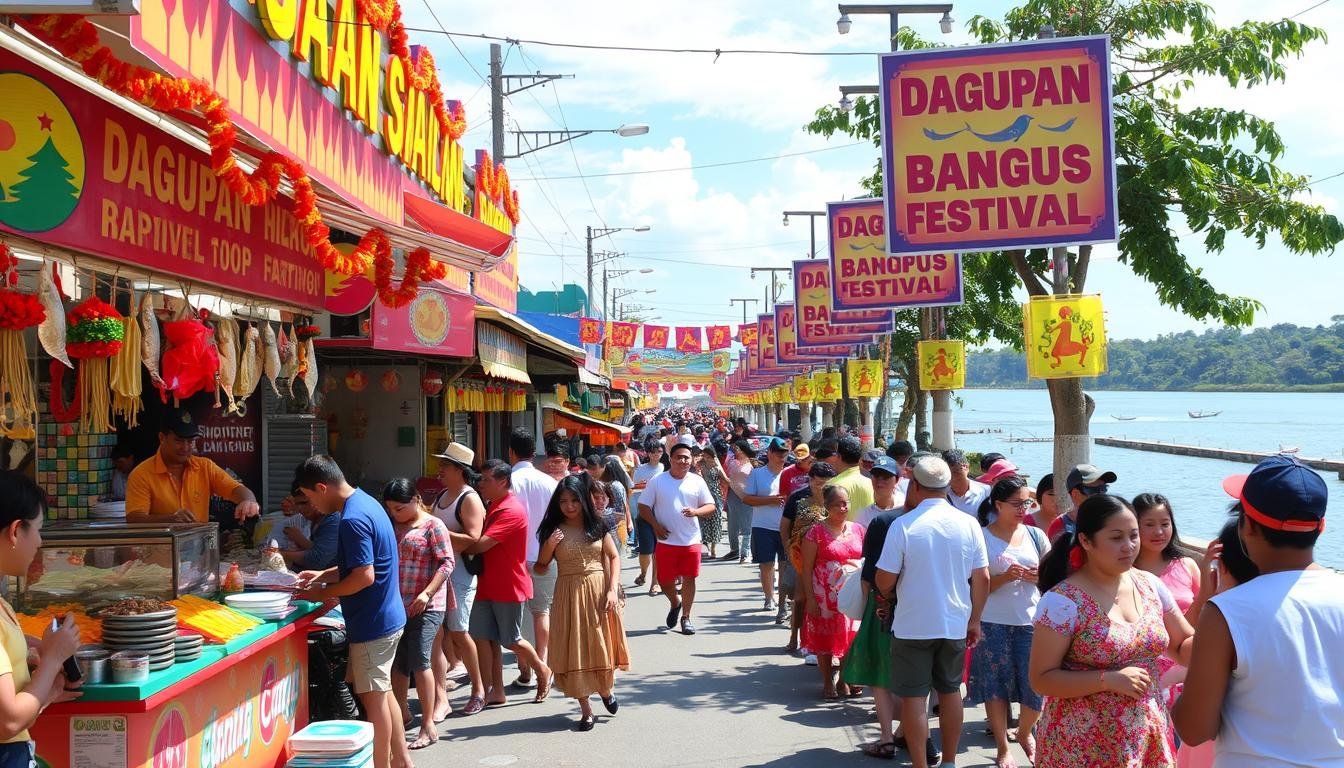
(786, 341)
(688, 339)
(765, 339)
(590, 330)
(993, 147)
(748, 334)
(1065, 336)
(865, 276)
(719, 337)
(624, 335)
(826, 385)
(865, 378)
(655, 336)
(942, 364)
(665, 365)
(818, 324)
(802, 389)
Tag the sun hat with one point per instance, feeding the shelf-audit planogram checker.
(997, 471)
(459, 454)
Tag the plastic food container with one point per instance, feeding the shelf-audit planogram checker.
(129, 667)
(93, 662)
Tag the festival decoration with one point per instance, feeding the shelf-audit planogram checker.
(826, 385)
(305, 332)
(863, 277)
(748, 334)
(942, 364)
(390, 381)
(1065, 336)
(802, 389)
(484, 397)
(431, 384)
(718, 337)
(356, 381)
(655, 336)
(864, 377)
(624, 334)
(329, 383)
(190, 361)
(125, 380)
(590, 331)
(94, 334)
(688, 339)
(18, 311)
(669, 386)
(683, 386)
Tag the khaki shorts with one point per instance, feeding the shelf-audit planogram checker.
(371, 664)
(918, 665)
(543, 589)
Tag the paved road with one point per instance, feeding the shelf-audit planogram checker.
(726, 697)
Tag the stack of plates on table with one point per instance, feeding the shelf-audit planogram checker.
(187, 646)
(332, 744)
(264, 605)
(108, 510)
(154, 634)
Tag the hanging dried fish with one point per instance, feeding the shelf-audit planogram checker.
(249, 364)
(151, 344)
(226, 336)
(289, 358)
(310, 373)
(51, 332)
(271, 354)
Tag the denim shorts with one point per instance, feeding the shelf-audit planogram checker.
(18, 754)
(766, 547)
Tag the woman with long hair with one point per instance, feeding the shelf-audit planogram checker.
(741, 461)
(999, 674)
(587, 635)
(618, 489)
(828, 547)
(1163, 554)
(708, 467)
(460, 509)
(802, 510)
(424, 560)
(1101, 625)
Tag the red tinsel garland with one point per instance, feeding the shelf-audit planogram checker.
(62, 412)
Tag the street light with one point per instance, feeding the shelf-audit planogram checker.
(854, 90)
(596, 233)
(843, 23)
(639, 129)
(945, 23)
(845, 106)
(893, 11)
(812, 219)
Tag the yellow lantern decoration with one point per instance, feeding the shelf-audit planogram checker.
(942, 364)
(802, 389)
(865, 377)
(356, 381)
(1065, 336)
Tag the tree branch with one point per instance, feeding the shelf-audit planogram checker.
(1079, 276)
(1023, 269)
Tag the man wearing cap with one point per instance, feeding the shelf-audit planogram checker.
(869, 458)
(886, 498)
(1266, 671)
(849, 452)
(794, 478)
(175, 486)
(1084, 480)
(963, 492)
(766, 497)
(673, 503)
(935, 563)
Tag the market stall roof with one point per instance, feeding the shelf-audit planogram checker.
(603, 432)
(592, 379)
(529, 332)
(562, 327)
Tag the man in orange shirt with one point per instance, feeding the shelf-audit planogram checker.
(174, 486)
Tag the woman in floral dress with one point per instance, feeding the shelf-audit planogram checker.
(1100, 627)
(827, 548)
(708, 467)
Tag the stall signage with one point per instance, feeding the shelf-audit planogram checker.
(234, 441)
(80, 174)
(436, 322)
(498, 286)
(819, 325)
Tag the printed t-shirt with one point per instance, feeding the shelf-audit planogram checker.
(933, 548)
(763, 482)
(365, 537)
(1014, 603)
(667, 496)
(533, 489)
(505, 578)
(793, 479)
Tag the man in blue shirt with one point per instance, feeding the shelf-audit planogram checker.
(317, 550)
(366, 574)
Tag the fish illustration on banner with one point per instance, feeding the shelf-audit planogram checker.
(802, 388)
(942, 364)
(864, 276)
(688, 339)
(624, 334)
(995, 147)
(655, 336)
(865, 377)
(826, 386)
(748, 334)
(720, 337)
(1065, 336)
(590, 330)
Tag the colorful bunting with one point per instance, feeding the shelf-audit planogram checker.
(655, 336)
(720, 337)
(748, 334)
(624, 334)
(590, 331)
(688, 339)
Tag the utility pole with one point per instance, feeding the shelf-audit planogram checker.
(812, 221)
(744, 302)
(772, 294)
(496, 103)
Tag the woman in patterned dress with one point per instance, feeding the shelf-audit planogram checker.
(828, 546)
(1100, 627)
(708, 467)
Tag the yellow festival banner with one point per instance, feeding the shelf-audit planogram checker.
(1065, 336)
(826, 386)
(802, 389)
(942, 364)
(865, 377)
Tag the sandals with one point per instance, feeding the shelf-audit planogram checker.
(474, 704)
(1029, 746)
(883, 750)
(830, 695)
(1006, 761)
(639, 581)
(585, 723)
(543, 689)
(423, 741)
(611, 704)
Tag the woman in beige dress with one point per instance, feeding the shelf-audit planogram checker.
(587, 634)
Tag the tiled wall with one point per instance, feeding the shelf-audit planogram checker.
(74, 470)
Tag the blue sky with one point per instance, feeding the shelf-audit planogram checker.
(710, 225)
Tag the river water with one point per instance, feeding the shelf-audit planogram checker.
(1249, 421)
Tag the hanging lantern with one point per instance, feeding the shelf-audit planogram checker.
(431, 384)
(391, 381)
(329, 383)
(683, 386)
(356, 381)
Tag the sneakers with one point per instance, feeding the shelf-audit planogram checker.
(687, 628)
(810, 659)
(769, 604)
(730, 556)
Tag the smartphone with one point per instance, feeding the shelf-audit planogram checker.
(73, 673)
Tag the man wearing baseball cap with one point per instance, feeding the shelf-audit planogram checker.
(794, 478)
(767, 497)
(1267, 670)
(1084, 480)
(175, 485)
(870, 458)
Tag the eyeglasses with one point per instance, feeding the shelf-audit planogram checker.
(1023, 504)
(1094, 490)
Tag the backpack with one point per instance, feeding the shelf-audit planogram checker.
(474, 563)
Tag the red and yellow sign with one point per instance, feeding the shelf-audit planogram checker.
(865, 276)
(802, 389)
(826, 386)
(78, 173)
(719, 337)
(998, 146)
(590, 330)
(864, 377)
(748, 334)
(1065, 336)
(624, 334)
(787, 351)
(437, 322)
(818, 324)
(688, 339)
(656, 336)
(942, 364)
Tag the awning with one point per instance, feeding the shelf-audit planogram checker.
(597, 431)
(592, 379)
(445, 222)
(529, 332)
(503, 355)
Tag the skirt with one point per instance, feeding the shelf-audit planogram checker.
(999, 666)
(869, 658)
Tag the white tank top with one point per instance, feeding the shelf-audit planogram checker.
(447, 513)
(1285, 702)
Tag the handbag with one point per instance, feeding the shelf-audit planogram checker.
(850, 599)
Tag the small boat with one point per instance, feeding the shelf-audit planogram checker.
(1203, 414)
(1289, 448)
(1123, 418)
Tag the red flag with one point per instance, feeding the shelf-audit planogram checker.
(623, 334)
(688, 339)
(655, 336)
(590, 330)
(747, 333)
(720, 336)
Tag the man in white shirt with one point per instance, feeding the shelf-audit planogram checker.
(673, 504)
(934, 558)
(963, 492)
(767, 507)
(534, 489)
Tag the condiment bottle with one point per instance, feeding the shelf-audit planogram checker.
(233, 581)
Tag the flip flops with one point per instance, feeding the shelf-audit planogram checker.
(882, 750)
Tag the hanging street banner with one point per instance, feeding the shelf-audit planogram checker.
(993, 147)
(590, 330)
(748, 334)
(821, 326)
(865, 378)
(655, 336)
(942, 364)
(786, 341)
(865, 276)
(688, 339)
(665, 365)
(718, 337)
(802, 389)
(826, 386)
(1065, 336)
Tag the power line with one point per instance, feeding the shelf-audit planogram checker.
(753, 247)
(703, 165)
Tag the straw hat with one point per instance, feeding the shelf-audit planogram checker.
(459, 454)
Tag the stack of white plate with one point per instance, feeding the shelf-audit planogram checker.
(187, 646)
(150, 633)
(264, 605)
(108, 510)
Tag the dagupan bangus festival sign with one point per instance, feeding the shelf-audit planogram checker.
(1000, 146)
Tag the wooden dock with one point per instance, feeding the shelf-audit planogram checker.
(1247, 457)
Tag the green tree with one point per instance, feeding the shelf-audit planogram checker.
(46, 195)
(1212, 170)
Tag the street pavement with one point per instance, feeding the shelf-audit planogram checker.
(727, 696)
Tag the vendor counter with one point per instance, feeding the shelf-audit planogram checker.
(234, 706)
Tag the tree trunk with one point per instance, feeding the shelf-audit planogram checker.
(851, 417)
(879, 418)
(921, 420)
(827, 415)
(1073, 444)
(907, 414)
(944, 438)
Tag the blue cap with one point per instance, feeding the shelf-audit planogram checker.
(777, 444)
(1281, 493)
(888, 465)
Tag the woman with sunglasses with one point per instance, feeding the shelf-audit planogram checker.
(999, 666)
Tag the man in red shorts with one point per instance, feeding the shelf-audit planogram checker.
(672, 503)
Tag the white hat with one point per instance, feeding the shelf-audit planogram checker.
(931, 472)
(459, 454)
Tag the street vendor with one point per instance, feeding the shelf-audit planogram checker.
(175, 486)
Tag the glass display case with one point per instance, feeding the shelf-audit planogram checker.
(96, 563)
